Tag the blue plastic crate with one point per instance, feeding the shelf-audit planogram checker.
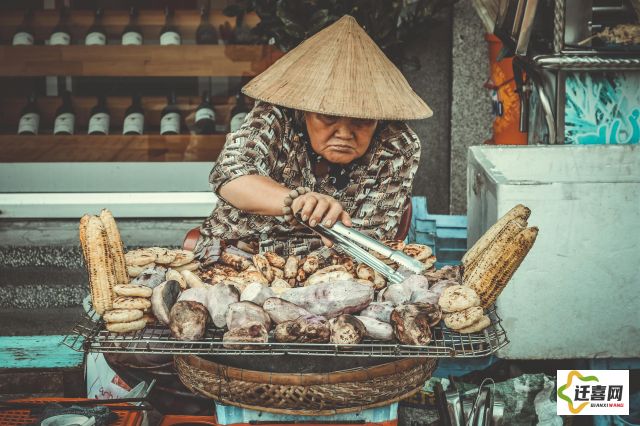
(228, 415)
(447, 237)
(457, 367)
(445, 234)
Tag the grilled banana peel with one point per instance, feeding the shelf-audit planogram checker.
(497, 265)
(472, 256)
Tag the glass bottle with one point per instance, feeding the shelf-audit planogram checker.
(24, 35)
(132, 34)
(61, 35)
(238, 113)
(96, 34)
(29, 117)
(99, 118)
(205, 116)
(134, 117)
(170, 117)
(169, 35)
(65, 120)
(206, 33)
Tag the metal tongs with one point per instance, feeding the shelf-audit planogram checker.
(356, 244)
(484, 410)
(481, 413)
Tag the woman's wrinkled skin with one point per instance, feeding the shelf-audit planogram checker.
(338, 140)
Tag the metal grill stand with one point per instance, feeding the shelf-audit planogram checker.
(90, 335)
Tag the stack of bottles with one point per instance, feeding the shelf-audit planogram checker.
(96, 35)
(171, 117)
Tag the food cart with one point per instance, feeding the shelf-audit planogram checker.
(302, 376)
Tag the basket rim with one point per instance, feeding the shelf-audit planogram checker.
(304, 379)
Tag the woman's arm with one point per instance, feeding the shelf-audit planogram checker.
(264, 196)
(241, 175)
(255, 194)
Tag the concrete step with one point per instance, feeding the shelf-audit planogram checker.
(54, 256)
(39, 322)
(64, 232)
(38, 287)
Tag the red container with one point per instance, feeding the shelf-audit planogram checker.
(23, 416)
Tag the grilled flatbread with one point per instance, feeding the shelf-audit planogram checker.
(134, 290)
(182, 258)
(479, 325)
(122, 315)
(126, 302)
(463, 319)
(126, 327)
(139, 257)
(164, 256)
(418, 251)
(458, 298)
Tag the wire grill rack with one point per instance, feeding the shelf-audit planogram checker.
(90, 335)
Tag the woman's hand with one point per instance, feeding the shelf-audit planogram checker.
(319, 208)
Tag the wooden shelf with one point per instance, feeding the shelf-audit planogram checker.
(114, 21)
(111, 148)
(10, 109)
(137, 61)
(20, 63)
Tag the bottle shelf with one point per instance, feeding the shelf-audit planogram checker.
(114, 21)
(109, 148)
(137, 61)
(10, 110)
(104, 66)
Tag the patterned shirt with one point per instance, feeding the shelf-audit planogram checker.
(271, 142)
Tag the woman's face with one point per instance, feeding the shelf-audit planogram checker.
(339, 140)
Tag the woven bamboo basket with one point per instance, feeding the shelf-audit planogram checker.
(312, 394)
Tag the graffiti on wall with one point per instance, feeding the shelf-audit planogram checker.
(602, 108)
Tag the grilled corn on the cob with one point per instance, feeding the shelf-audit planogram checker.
(115, 246)
(473, 254)
(498, 264)
(507, 233)
(84, 221)
(99, 265)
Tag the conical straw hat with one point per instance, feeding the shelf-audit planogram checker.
(339, 71)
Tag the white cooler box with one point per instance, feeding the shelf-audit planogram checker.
(577, 294)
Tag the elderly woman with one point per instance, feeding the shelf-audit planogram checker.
(328, 117)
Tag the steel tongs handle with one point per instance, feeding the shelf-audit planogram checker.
(365, 257)
(347, 241)
(368, 242)
(362, 239)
